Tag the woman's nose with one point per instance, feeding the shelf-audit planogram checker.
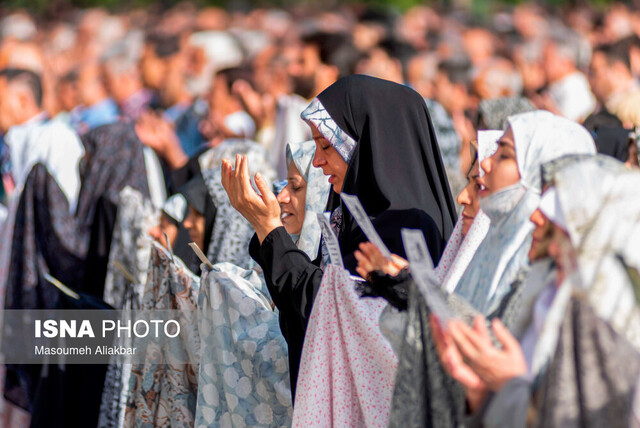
(463, 197)
(283, 196)
(486, 165)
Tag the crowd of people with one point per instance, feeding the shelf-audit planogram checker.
(510, 143)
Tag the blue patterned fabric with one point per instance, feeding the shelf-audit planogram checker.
(244, 368)
(315, 114)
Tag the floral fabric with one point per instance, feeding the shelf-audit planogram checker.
(163, 394)
(131, 248)
(348, 368)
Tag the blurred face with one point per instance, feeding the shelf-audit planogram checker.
(165, 226)
(6, 107)
(292, 200)
(444, 91)
(303, 70)
(194, 222)
(219, 94)
(542, 235)
(468, 198)
(68, 95)
(152, 69)
(328, 158)
(561, 251)
(501, 169)
(599, 76)
(16, 105)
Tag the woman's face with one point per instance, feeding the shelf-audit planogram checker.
(328, 158)
(165, 226)
(468, 198)
(292, 200)
(501, 169)
(561, 250)
(194, 222)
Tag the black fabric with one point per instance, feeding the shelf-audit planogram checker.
(45, 240)
(396, 171)
(612, 141)
(99, 247)
(394, 289)
(396, 164)
(113, 159)
(70, 395)
(293, 281)
(602, 118)
(181, 176)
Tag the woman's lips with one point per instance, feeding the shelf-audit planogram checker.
(484, 191)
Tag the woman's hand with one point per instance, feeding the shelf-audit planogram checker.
(451, 359)
(262, 211)
(370, 259)
(495, 366)
(158, 134)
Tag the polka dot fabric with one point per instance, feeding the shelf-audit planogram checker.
(348, 368)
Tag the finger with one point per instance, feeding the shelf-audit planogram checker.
(262, 185)
(363, 262)
(363, 273)
(438, 334)
(466, 376)
(244, 171)
(375, 255)
(504, 336)
(226, 170)
(399, 261)
(466, 347)
(480, 326)
(238, 162)
(477, 340)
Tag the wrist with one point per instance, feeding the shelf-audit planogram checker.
(176, 157)
(264, 229)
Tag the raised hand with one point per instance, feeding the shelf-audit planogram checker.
(453, 363)
(261, 210)
(495, 366)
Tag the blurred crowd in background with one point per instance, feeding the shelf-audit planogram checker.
(191, 77)
(104, 115)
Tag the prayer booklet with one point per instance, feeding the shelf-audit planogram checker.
(358, 212)
(422, 272)
(330, 240)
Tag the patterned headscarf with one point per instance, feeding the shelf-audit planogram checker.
(315, 114)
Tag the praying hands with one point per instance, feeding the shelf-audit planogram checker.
(469, 356)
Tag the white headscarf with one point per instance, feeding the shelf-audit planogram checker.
(317, 194)
(539, 137)
(597, 200)
(460, 249)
